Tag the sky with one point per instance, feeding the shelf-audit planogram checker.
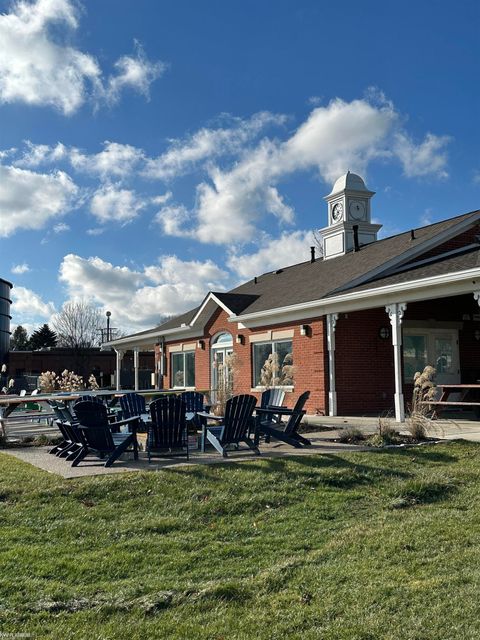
(153, 150)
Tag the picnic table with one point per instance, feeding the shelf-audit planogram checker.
(469, 398)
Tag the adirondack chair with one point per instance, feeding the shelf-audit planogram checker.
(97, 433)
(167, 429)
(287, 432)
(88, 398)
(269, 398)
(132, 404)
(238, 416)
(112, 415)
(67, 424)
(194, 402)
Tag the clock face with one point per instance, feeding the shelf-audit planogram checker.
(337, 211)
(358, 209)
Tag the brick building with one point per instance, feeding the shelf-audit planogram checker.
(357, 322)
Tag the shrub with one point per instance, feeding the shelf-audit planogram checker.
(351, 435)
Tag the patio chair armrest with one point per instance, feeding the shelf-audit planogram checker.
(134, 420)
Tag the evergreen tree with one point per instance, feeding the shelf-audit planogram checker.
(19, 340)
(43, 337)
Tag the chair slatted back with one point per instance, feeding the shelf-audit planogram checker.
(238, 413)
(297, 415)
(194, 401)
(93, 423)
(88, 398)
(272, 397)
(132, 404)
(167, 429)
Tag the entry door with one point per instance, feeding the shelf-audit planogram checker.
(446, 358)
(219, 365)
(435, 347)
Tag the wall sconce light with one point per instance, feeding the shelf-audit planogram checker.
(304, 330)
(477, 334)
(239, 339)
(201, 344)
(384, 333)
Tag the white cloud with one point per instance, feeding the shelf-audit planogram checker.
(97, 231)
(174, 220)
(29, 200)
(39, 68)
(287, 249)
(118, 160)
(138, 299)
(18, 269)
(206, 144)
(28, 306)
(136, 72)
(111, 203)
(61, 227)
(338, 137)
(429, 158)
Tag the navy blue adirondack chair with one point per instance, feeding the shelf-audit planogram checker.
(97, 434)
(132, 404)
(67, 425)
(194, 402)
(269, 398)
(287, 432)
(167, 429)
(235, 429)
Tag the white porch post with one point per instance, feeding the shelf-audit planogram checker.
(476, 295)
(395, 312)
(136, 359)
(332, 392)
(120, 353)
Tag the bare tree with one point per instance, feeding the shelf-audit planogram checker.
(78, 326)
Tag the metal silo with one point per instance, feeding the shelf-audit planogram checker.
(5, 318)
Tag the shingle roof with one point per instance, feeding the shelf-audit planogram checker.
(312, 281)
(468, 259)
(309, 281)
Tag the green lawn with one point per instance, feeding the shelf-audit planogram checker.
(366, 545)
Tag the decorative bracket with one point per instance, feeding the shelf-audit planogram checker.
(395, 312)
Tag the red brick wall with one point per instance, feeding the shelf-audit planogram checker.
(308, 357)
(364, 373)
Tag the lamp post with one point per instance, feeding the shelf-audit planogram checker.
(108, 314)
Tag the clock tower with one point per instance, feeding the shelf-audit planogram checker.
(348, 207)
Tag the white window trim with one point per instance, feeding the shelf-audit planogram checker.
(183, 353)
(287, 387)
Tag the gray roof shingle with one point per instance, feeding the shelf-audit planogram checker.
(309, 281)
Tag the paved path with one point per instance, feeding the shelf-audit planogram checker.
(329, 429)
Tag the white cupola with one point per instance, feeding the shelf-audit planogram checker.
(349, 216)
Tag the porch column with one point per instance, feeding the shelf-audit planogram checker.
(332, 392)
(120, 353)
(395, 313)
(136, 359)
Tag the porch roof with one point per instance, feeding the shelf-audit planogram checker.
(307, 282)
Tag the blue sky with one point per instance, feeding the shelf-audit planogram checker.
(151, 151)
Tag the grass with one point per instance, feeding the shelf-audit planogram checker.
(384, 544)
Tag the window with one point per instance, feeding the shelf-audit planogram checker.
(183, 369)
(272, 364)
(435, 347)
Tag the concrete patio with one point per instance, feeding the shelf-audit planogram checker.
(324, 432)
